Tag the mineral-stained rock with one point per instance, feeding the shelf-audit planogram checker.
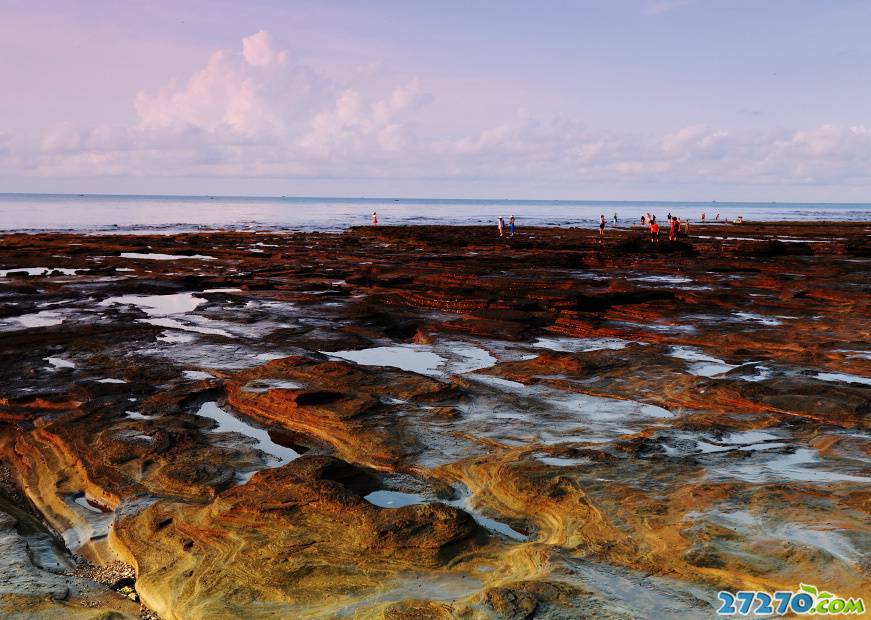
(547, 427)
(300, 529)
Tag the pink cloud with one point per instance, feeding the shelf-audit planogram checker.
(259, 51)
(251, 112)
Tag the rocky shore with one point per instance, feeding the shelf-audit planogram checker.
(431, 422)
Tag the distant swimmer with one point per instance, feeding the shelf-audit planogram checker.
(500, 226)
(511, 225)
(374, 218)
(602, 228)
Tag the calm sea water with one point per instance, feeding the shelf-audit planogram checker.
(103, 213)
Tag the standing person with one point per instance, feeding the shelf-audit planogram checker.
(602, 228)
(718, 217)
(615, 218)
(668, 217)
(374, 218)
(500, 226)
(643, 220)
(673, 228)
(703, 217)
(511, 226)
(654, 230)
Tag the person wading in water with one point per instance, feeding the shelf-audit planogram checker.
(674, 228)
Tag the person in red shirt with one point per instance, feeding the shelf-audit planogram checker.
(654, 230)
(673, 229)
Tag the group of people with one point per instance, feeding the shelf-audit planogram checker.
(738, 220)
(500, 226)
(675, 225)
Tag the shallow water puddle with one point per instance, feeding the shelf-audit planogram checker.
(779, 463)
(863, 355)
(644, 595)
(562, 461)
(413, 358)
(839, 376)
(665, 328)
(663, 279)
(94, 525)
(398, 499)
(580, 345)
(441, 360)
(161, 308)
(761, 319)
(394, 499)
(176, 338)
(264, 385)
(760, 373)
(43, 318)
(158, 305)
(684, 443)
(228, 423)
(59, 362)
(197, 375)
(475, 358)
(171, 323)
(818, 536)
(90, 504)
(704, 365)
(135, 415)
(542, 414)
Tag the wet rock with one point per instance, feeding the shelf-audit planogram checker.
(643, 423)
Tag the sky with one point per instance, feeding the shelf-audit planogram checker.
(608, 100)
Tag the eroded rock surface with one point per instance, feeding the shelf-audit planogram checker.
(427, 422)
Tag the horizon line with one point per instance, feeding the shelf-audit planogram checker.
(420, 198)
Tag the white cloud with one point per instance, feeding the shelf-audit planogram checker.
(220, 97)
(250, 112)
(259, 51)
(353, 127)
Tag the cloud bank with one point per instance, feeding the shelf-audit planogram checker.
(255, 111)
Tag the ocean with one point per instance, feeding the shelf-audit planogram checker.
(166, 214)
